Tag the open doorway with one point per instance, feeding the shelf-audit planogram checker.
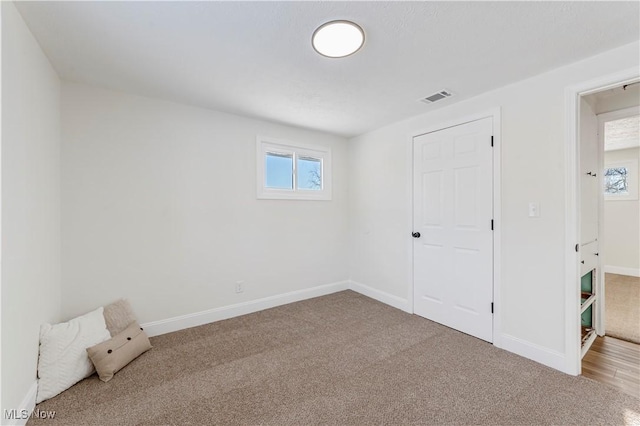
(618, 112)
(609, 153)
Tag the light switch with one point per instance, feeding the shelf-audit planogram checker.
(534, 209)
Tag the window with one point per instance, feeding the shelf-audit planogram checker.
(619, 133)
(621, 180)
(622, 133)
(616, 181)
(292, 171)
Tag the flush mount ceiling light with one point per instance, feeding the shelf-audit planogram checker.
(337, 39)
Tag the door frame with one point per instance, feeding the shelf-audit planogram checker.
(495, 114)
(573, 359)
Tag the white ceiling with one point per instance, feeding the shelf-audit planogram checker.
(256, 59)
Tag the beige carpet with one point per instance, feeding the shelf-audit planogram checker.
(622, 307)
(337, 359)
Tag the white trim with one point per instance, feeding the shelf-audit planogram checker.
(156, 328)
(618, 114)
(537, 353)
(585, 305)
(621, 270)
(495, 114)
(497, 229)
(572, 233)
(1, 238)
(409, 229)
(572, 220)
(381, 296)
(600, 322)
(24, 410)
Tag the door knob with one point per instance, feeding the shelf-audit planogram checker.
(416, 235)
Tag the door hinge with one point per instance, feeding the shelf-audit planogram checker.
(492, 224)
(491, 307)
(577, 248)
(491, 140)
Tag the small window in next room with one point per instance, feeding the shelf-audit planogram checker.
(620, 135)
(616, 181)
(621, 180)
(292, 171)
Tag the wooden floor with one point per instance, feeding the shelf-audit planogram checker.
(614, 362)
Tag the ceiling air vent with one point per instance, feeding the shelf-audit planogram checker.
(443, 94)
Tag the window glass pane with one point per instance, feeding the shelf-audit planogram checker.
(309, 173)
(616, 181)
(279, 171)
(622, 131)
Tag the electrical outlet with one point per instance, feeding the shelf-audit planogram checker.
(239, 286)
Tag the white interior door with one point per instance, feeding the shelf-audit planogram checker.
(453, 236)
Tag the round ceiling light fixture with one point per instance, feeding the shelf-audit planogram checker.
(337, 39)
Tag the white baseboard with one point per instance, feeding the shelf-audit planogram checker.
(156, 328)
(381, 296)
(537, 353)
(518, 346)
(620, 270)
(509, 343)
(22, 413)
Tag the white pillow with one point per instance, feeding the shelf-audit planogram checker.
(63, 359)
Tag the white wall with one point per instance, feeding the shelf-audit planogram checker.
(30, 203)
(589, 186)
(622, 223)
(159, 206)
(618, 98)
(533, 249)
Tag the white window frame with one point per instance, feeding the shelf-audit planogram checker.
(268, 144)
(632, 180)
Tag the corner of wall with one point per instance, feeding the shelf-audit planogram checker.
(20, 415)
(534, 352)
(30, 207)
(381, 296)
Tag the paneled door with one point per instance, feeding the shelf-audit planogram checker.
(453, 227)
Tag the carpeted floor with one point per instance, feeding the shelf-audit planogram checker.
(622, 307)
(337, 359)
